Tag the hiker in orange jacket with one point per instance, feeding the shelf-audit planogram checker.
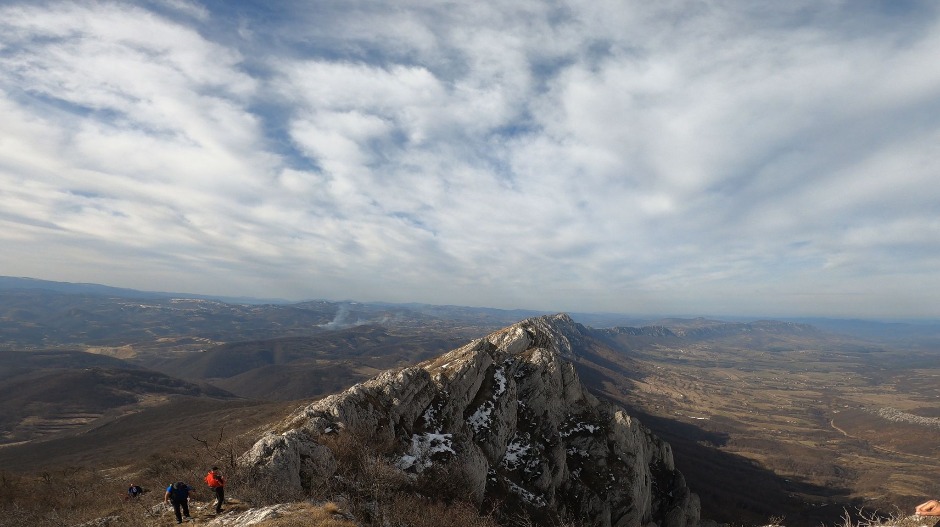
(217, 483)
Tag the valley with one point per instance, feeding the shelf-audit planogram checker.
(766, 418)
(798, 412)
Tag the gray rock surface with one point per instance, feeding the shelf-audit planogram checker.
(509, 412)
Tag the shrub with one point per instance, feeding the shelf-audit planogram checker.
(409, 510)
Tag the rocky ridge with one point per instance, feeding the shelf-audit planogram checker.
(509, 412)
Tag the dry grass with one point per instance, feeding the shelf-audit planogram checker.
(371, 492)
(863, 518)
(309, 515)
(412, 511)
(74, 496)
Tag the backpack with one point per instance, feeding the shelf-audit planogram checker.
(214, 480)
(179, 491)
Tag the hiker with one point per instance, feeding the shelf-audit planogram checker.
(217, 483)
(178, 495)
(133, 491)
(928, 508)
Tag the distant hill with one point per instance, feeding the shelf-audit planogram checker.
(45, 393)
(31, 319)
(154, 432)
(87, 316)
(918, 332)
(14, 363)
(13, 283)
(296, 381)
(304, 367)
(477, 316)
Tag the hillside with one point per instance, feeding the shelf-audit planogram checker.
(13, 363)
(149, 434)
(303, 367)
(44, 401)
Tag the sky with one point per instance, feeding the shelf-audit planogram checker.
(701, 157)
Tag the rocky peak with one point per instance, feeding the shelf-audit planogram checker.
(510, 413)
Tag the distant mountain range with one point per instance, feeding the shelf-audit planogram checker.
(37, 314)
(12, 282)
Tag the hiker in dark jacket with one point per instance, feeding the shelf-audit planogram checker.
(134, 491)
(217, 483)
(178, 495)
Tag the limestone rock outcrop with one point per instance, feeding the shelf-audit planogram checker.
(510, 412)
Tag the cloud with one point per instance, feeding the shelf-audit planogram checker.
(566, 156)
(190, 9)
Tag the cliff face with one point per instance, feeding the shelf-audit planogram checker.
(510, 413)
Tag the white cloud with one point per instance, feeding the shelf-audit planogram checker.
(591, 156)
(133, 124)
(190, 9)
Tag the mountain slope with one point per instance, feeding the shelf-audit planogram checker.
(13, 363)
(150, 434)
(296, 380)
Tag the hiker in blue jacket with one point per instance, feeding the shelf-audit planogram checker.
(178, 495)
(134, 491)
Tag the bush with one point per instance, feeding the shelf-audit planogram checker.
(409, 510)
(65, 497)
(260, 489)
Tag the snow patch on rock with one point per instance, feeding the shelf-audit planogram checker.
(424, 448)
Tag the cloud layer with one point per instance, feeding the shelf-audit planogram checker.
(644, 157)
